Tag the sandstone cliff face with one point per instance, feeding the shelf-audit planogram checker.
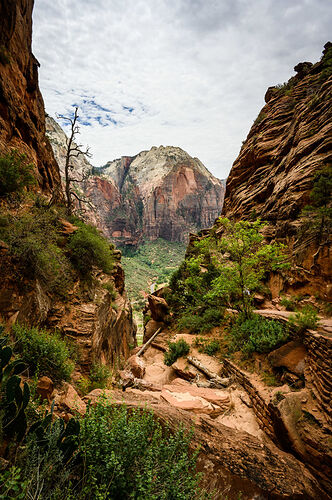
(161, 193)
(273, 175)
(22, 116)
(168, 194)
(103, 331)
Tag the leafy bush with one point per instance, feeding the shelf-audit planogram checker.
(100, 375)
(288, 303)
(175, 351)
(111, 290)
(89, 248)
(44, 350)
(256, 334)
(33, 239)
(127, 454)
(15, 173)
(206, 346)
(201, 322)
(305, 319)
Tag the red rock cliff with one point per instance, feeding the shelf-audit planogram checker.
(22, 116)
(273, 175)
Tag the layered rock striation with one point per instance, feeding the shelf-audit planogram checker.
(22, 115)
(103, 330)
(161, 193)
(289, 142)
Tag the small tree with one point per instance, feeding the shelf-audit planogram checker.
(73, 151)
(242, 258)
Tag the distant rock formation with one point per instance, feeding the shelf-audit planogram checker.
(161, 193)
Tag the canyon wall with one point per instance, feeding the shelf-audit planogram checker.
(22, 115)
(161, 193)
(102, 327)
(289, 142)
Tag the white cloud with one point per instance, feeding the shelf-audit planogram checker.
(188, 73)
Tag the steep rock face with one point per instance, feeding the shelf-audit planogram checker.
(273, 175)
(104, 332)
(161, 193)
(22, 116)
(167, 193)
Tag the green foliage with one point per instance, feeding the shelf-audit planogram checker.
(15, 173)
(327, 65)
(89, 248)
(305, 319)
(285, 88)
(256, 334)
(34, 240)
(206, 346)
(100, 376)
(152, 262)
(176, 350)
(11, 484)
(44, 350)
(316, 224)
(127, 454)
(200, 323)
(242, 259)
(111, 290)
(260, 118)
(13, 399)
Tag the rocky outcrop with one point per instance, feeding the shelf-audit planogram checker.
(161, 193)
(22, 116)
(290, 141)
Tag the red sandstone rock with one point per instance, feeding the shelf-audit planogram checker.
(71, 401)
(158, 307)
(136, 366)
(45, 388)
(290, 356)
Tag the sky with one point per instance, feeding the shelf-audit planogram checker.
(187, 73)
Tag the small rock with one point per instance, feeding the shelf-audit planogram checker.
(136, 366)
(71, 401)
(45, 388)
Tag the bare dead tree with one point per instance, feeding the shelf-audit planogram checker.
(74, 151)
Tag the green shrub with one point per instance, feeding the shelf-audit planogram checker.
(127, 454)
(15, 173)
(305, 319)
(33, 240)
(211, 347)
(256, 334)
(100, 375)
(288, 303)
(206, 346)
(44, 350)
(89, 248)
(175, 351)
(201, 322)
(111, 290)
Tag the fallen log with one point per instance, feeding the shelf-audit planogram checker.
(214, 378)
(144, 346)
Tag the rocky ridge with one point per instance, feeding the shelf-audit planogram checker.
(290, 141)
(160, 193)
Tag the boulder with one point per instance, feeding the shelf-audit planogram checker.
(185, 396)
(158, 307)
(136, 365)
(290, 356)
(150, 328)
(184, 370)
(45, 388)
(71, 401)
